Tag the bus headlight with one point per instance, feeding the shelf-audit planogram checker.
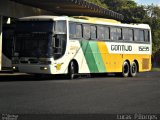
(43, 68)
(14, 68)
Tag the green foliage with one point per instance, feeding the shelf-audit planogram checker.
(153, 19)
(98, 2)
(134, 13)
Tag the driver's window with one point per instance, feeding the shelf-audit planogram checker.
(60, 39)
(61, 26)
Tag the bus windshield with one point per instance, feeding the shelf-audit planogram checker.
(40, 38)
(34, 26)
(32, 45)
(33, 38)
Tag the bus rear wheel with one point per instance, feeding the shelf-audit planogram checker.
(125, 69)
(133, 69)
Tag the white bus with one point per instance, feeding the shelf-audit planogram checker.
(80, 44)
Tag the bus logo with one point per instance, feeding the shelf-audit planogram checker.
(121, 48)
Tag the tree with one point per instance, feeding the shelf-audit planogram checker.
(153, 19)
(134, 13)
(98, 2)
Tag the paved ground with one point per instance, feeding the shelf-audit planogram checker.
(20, 93)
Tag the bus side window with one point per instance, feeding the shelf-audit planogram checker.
(106, 33)
(113, 33)
(93, 32)
(130, 34)
(141, 35)
(100, 32)
(86, 31)
(72, 30)
(119, 34)
(78, 31)
(146, 36)
(125, 34)
(136, 35)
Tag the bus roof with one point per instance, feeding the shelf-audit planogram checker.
(43, 17)
(111, 22)
(95, 19)
(86, 19)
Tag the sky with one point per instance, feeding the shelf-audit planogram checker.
(148, 2)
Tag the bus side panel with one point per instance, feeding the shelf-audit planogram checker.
(93, 56)
(112, 62)
(76, 52)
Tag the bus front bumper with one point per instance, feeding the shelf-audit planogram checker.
(39, 69)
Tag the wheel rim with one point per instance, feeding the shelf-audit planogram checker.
(72, 68)
(125, 69)
(71, 71)
(134, 68)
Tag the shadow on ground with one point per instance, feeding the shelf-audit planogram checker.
(30, 77)
(39, 77)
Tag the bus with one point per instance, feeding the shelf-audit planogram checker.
(81, 45)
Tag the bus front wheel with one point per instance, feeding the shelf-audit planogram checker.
(125, 69)
(133, 69)
(71, 70)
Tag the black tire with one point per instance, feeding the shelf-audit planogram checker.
(125, 69)
(133, 69)
(71, 70)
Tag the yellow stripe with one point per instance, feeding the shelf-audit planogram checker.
(114, 62)
(103, 50)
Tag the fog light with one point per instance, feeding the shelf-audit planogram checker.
(43, 68)
(14, 68)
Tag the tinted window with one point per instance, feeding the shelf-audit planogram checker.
(61, 26)
(119, 34)
(103, 33)
(136, 35)
(106, 33)
(116, 33)
(34, 26)
(86, 31)
(130, 34)
(100, 32)
(72, 30)
(113, 33)
(79, 31)
(127, 34)
(146, 33)
(141, 35)
(93, 32)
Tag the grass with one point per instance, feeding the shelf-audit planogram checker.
(155, 69)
